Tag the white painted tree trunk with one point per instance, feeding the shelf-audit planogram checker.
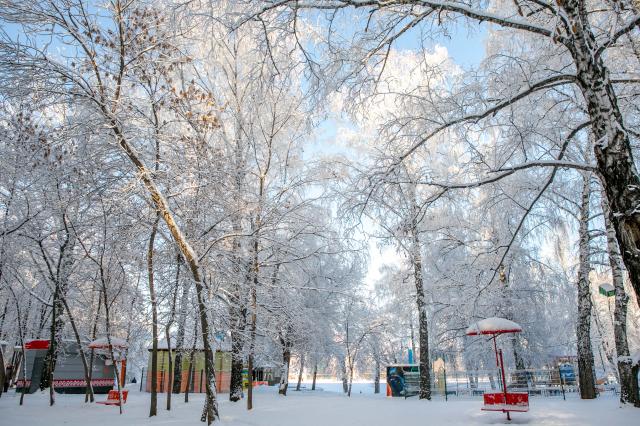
(583, 323)
(423, 326)
(625, 375)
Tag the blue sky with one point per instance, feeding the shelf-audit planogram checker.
(465, 45)
(466, 48)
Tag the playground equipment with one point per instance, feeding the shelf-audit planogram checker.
(500, 401)
(403, 380)
(114, 398)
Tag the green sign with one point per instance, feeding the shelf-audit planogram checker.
(607, 290)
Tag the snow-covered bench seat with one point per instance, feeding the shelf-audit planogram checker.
(516, 401)
(114, 399)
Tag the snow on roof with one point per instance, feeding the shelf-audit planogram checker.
(222, 345)
(103, 342)
(162, 345)
(493, 325)
(607, 287)
(216, 346)
(403, 365)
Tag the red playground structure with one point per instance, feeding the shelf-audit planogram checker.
(500, 401)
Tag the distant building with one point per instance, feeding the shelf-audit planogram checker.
(197, 381)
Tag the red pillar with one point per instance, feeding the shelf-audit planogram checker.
(504, 382)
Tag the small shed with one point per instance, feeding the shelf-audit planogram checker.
(68, 376)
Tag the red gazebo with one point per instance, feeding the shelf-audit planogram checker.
(500, 401)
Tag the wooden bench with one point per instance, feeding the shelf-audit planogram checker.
(113, 398)
(516, 401)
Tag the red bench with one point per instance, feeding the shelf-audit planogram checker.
(114, 399)
(516, 401)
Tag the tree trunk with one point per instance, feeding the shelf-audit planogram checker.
(2, 371)
(343, 370)
(413, 338)
(94, 333)
(52, 352)
(423, 330)
(107, 326)
(423, 326)
(300, 372)
(237, 344)
(191, 358)
(177, 371)
(237, 307)
(83, 358)
(286, 360)
(2, 318)
(376, 379)
(41, 322)
(115, 364)
(60, 301)
(167, 333)
(254, 290)
(182, 319)
(620, 314)
(583, 324)
(315, 373)
(252, 325)
(238, 319)
(59, 279)
(351, 368)
(189, 373)
(210, 411)
(21, 337)
(153, 408)
(635, 370)
(169, 367)
(612, 149)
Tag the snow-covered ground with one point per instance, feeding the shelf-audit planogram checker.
(318, 408)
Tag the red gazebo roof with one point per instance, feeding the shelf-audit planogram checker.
(493, 325)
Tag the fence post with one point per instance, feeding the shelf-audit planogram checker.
(141, 379)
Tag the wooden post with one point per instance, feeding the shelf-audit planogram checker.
(504, 381)
(123, 371)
